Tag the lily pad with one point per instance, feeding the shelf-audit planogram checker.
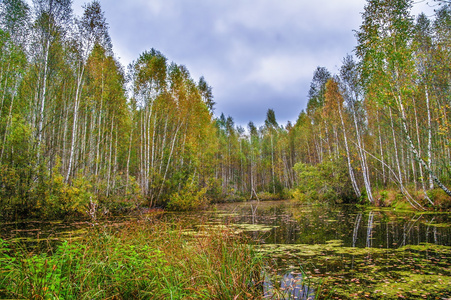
(254, 227)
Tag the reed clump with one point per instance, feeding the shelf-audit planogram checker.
(137, 260)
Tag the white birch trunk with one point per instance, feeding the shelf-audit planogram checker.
(99, 138)
(414, 150)
(43, 96)
(110, 154)
(272, 165)
(75, 123)
(396, 148)
(419, 147)
(404, 191)
(348, 156)
(169, 159)
(381, 149)
(4, 88)
(429, 150)
(127, 172)
(363, 163)
(141, 153)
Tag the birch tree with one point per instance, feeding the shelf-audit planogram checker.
(92, 29)
(352, 91)
(334, 102)
(14, 30)
(386, 52)
(51, 23)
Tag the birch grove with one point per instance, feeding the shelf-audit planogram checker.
(79, 133)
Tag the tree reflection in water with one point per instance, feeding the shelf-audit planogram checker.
(291, 287)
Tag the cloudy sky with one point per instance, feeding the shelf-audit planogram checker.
(256, 54)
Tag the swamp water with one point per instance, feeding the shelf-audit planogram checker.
(317, 252)
(343, 252)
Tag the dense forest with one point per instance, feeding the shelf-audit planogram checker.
(80, 134)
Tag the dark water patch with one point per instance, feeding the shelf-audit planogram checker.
(296, 224)
(346, 252)
(288, 285)
(38, 236)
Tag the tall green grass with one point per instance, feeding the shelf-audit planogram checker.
(139, 260)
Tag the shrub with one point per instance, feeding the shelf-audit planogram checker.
(267, 196)
(325, 182)
(440, 198)
(189, 197)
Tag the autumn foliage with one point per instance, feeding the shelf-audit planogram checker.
(81, 135)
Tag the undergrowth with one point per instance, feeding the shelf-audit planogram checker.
(139, 260)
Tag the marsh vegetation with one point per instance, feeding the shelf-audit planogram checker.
(272, 250)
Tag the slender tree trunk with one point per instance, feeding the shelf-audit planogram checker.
(144, 145)
(337, 142)
(429, 150)
(272, 165)
(326, 130)
(115, 166)
(64, 162)
(4, 88)
(169, 159)
(127, 172)
(363, 163)
(84, 138)
(163, 144)
(403, 163)
(381, 149)
(9, 119)
(146, 149)
(75, 122)
(398, 166)
(414, 150)
(110, 154)
(420, 169)
(43, 96)
(348, 156)
(99, 138)
(154, 144)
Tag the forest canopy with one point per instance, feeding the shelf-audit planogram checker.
(80, 134)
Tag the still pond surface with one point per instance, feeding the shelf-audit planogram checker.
(338, 252)
(345, 252)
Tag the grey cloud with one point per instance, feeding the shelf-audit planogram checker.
(253, 103)
(256, 54)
